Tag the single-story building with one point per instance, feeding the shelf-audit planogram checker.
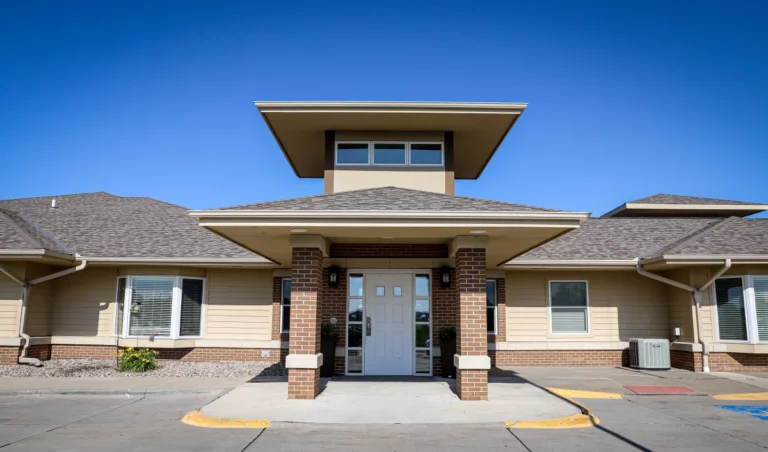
(391, 256)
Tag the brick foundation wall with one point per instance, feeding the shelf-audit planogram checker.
(686, 360)
(9, 355)
(374, 250)
(559, 358)
(738, 362)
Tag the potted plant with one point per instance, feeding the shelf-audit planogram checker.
(328, 349)
(447, 350)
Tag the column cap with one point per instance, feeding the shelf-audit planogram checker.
(294, 361)
(472, 362)
(468, 241)
(311, 241)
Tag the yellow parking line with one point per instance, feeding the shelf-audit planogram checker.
(575, 393)
(746, 396)
(199, 419)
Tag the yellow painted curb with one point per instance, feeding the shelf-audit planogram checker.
(198, 419)
(572, 421)
(577, 394)
(746, 396)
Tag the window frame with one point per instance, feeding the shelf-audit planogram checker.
(495, 306)
(750, 309)
(427, 165)
(282, 305)
(371, 147)
(586, 307)
(362, 322)
(429, 349)
(175, 307)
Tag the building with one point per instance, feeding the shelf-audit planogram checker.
(390, 254)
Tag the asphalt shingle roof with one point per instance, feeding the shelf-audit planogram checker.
(678, 199)
(19, 233)
(617, 238)
(104, 225)
(734, 235)
(390, 198)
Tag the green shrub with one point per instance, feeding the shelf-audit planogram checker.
(136, 360)
(328, 331)
(448, 334)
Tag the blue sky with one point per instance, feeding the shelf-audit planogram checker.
(626, 99)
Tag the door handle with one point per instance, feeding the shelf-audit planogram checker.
(367, 326)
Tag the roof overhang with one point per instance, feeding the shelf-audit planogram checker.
(679, 260)
(479, 128)
(37, 255)
(704, 210)
(571, 264)
(180, 261)
(268, 233)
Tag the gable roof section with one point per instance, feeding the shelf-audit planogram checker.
(101, 225)
(614, 239)
(17, 233)
(389, 199)
(665, 205)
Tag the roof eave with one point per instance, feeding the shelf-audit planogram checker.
(34, 254)
(706, 259)
(386, 214)
(389, 107)
(744, 209)
(182, 261)
(571, 264)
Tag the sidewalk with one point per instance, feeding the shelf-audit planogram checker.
(612, 379)
(116, 386)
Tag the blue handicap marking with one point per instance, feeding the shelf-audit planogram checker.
(759, 412)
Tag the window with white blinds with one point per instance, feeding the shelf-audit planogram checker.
(731, 312)
(742, 308)
(163, 306)
(761, 307)
(569, 308)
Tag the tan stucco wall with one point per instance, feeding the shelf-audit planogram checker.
(239, 304)
(623, 305)
(10, 301)
(345, 179)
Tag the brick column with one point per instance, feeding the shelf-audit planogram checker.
(304, 358)
(471, 359)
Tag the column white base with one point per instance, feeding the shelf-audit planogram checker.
(472, 362)
(304, 361)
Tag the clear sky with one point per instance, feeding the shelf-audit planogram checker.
(626, 99)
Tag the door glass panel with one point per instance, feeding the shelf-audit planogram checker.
(354, 361)
(355, 336)
(355, 310)
(355, 285)
(422, 285)
(397, 291)
(422, 310)
(422, 361)
(379, 291)
(422, 336)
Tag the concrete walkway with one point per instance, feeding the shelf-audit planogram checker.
(127, 385)
(416, 401)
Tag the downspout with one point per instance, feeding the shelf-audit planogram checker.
(697, 294)
(26, 288)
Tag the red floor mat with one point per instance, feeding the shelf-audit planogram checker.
(661, 390)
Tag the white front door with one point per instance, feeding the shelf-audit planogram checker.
(389, 324)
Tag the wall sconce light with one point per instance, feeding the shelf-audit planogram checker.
(333, 275)
(445, 276)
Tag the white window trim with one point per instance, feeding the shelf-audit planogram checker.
(373, 153)
(115, 316)
(589, 316)
(175, 307)
(433, 165)
(495, 307)
(750, 310)
(282, 306)
(407, 154)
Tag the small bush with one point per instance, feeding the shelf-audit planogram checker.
(136, 360)
(448, 334)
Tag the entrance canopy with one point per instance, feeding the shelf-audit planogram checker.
(388, 215)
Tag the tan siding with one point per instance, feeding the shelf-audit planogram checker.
(623, 305)
(239, 304)
(10, 301)
(681, 309)
(40, 304)
(149, 270)
(84, 303)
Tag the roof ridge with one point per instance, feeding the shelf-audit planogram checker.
(690, 237)
(61, 196)
(33, 241)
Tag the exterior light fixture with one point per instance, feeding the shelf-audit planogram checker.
(445, 276)
(333, 275)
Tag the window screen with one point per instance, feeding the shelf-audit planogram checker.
(568, 303)
(151, 306)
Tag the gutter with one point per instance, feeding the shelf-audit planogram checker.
(697, 294)
(26, 288)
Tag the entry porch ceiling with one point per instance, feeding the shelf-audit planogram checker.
(507, 237)
(479, 128)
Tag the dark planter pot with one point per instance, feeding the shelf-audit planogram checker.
(328, 349)
(447, 350)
